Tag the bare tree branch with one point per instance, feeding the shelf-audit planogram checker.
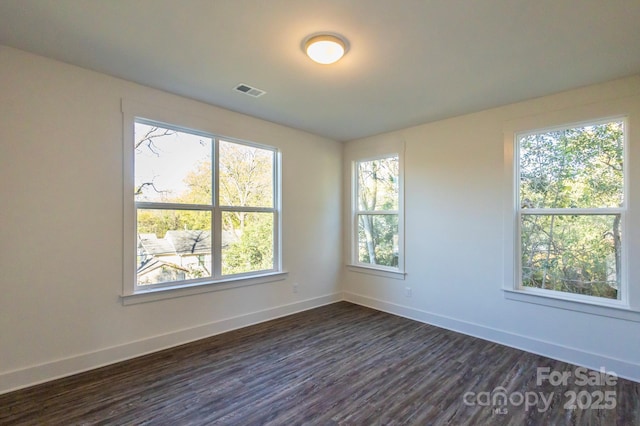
(150, 136)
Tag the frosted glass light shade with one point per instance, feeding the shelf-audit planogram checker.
(325, 49)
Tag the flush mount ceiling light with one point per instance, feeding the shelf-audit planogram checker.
(325, 48)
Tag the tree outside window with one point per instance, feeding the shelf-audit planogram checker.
(571, 209)
(377, 211)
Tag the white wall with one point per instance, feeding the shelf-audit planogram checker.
(61, 231)
(61, 198)
(455, 192)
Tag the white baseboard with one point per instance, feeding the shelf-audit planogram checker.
(621, 368)
(17, 379)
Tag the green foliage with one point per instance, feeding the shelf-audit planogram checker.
(254, 249)
(160, 221)
(578, 168)
(571, 253)
(378, 239)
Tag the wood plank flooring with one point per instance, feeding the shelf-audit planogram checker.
(340, 364)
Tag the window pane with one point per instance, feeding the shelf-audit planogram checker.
(378, 184)
(173, 245)
(572, 253)
(579, 167)
(246, 175)
(247, 242)
(172, 166)
(378, 239)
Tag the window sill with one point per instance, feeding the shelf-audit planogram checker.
(386, 273)
(155, 294)
(618, 311)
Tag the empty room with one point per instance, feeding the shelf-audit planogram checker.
(338, 212)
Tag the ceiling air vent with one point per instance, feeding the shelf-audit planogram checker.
(248, 90)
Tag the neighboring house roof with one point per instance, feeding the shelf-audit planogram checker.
(190, 242)
(152, 245)
(176, 242)
(155, 263)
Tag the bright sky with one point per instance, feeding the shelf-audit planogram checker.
(175, 156)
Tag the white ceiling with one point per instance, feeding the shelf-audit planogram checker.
(410, 61)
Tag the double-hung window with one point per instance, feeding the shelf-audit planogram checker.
(377, 219)
(570, 211)
(205, 208)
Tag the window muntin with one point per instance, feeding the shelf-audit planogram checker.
(571, 209)
(376, 212)
(190, 186)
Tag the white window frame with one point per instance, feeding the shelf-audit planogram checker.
(627, 306)
(353, 263)
(132, 292)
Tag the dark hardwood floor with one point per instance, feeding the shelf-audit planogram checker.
(340, 364)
